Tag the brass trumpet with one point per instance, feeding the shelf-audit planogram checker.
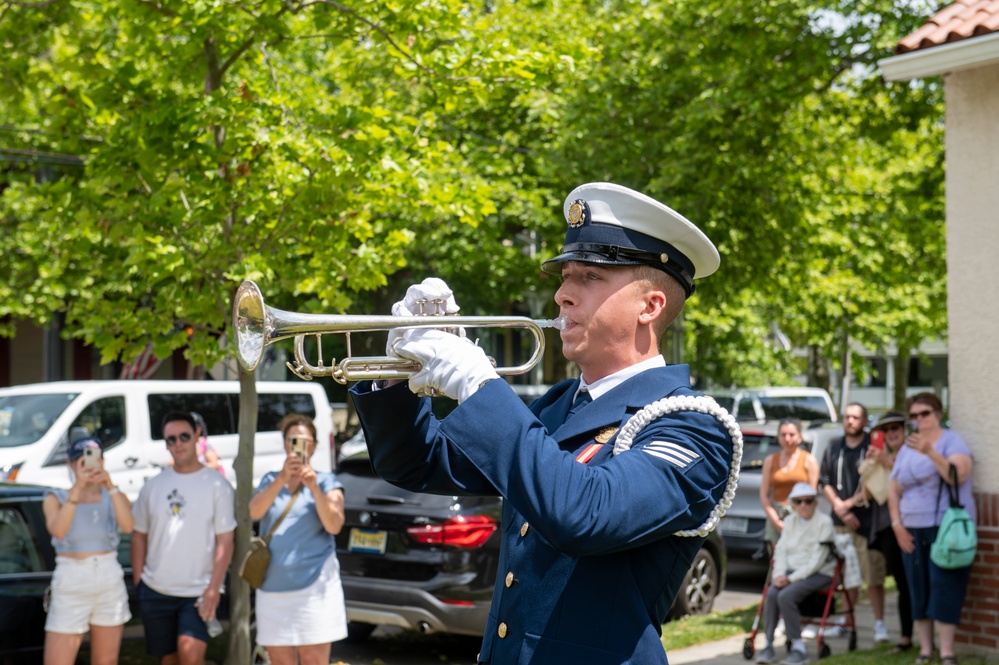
(257, 325)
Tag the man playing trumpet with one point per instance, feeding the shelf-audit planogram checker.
(589, 562)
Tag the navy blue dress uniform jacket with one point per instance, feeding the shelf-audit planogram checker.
(589, 565)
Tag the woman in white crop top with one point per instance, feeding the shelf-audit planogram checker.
(88, 585)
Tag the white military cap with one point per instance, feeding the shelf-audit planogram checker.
(613, 225)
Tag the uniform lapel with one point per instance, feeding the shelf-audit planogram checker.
(613, 407)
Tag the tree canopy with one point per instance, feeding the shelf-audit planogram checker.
(334, 153)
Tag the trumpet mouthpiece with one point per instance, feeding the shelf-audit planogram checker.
(559, 323)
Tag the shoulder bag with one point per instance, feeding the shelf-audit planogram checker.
(258, 555)
(956, 539)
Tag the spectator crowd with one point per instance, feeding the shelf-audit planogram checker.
(889, 486)
(182, 527)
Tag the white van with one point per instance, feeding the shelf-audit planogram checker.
(39, 421)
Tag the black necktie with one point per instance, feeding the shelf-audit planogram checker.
(582, 399)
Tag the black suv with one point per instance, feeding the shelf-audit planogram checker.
(27, 560)
(429, 562)
(26, 563)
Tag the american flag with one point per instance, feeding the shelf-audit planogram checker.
(143, 367)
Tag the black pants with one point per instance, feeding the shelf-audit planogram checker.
(884, 542)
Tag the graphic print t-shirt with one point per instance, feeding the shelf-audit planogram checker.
(181, 513)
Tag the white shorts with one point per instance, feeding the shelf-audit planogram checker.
(313, 615)
(87, 592)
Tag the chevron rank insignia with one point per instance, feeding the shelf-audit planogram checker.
(671, 452)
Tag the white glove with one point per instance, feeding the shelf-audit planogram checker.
(450, 364)
(429, 289)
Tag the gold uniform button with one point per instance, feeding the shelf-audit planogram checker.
(509, 579)
(501, 631)
(525, 527)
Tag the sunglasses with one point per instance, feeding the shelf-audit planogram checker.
(809, 501)
(921, 414)
(184, 438)
(893, 427)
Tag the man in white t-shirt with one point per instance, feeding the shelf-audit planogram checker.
(181, 547)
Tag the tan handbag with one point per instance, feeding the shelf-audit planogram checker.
(258, 555)
(875, 478)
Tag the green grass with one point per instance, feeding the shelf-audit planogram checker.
(693, 630)
(880, 656)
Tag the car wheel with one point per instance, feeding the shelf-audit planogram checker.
(700, 586)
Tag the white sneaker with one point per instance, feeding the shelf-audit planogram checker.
(809, 632)
(779, 630)
(837, 628)
(834, 630)
(881, 635)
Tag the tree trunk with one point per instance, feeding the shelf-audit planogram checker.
(239, 591)
(818, 368)
(901, 376)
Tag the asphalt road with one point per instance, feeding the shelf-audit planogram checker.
(389, 646)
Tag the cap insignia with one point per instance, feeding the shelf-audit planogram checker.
(579, 213)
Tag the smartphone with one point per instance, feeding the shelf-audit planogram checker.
(92, 458)
(912, 427)
(878, 439)
(300, 447)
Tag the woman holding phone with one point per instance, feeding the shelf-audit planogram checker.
(300, 608)
(917, 501)
(88, 584)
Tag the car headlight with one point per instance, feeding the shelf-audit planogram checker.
(8, 473)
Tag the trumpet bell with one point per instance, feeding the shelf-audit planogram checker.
(249, 323)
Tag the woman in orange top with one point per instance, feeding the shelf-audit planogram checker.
(781, 470)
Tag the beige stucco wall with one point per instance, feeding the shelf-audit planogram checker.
(973, 264)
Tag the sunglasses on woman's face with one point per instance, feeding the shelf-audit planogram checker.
(893, 428)
(184, 438)
(809, 501)
(920, 414)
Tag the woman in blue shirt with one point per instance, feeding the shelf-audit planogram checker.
(300, 608)
(88, 585)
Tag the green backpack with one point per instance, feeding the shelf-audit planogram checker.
(956, 540)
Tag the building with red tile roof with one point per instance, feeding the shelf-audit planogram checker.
(961, 44)
(961, 20)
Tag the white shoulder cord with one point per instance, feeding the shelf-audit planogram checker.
(707, 405)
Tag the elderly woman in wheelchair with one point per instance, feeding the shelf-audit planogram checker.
(801, 566)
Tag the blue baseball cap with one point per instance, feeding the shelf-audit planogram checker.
(76, 450)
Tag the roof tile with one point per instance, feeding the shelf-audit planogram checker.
(961, 20)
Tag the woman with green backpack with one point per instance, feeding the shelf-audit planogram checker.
(919, 497)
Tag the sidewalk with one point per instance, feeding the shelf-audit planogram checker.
(729, 651)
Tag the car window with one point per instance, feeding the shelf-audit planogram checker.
(725, 402)
(103, 419)
(746, 409)
(25, 419)
(271, 408)
(805, 408)
(221, 410)
(18, 553)
(216, 408)
(755, 448)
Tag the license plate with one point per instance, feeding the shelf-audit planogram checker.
(734, 525)
(367, 540)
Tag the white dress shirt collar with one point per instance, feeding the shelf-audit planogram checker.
(606, 384)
